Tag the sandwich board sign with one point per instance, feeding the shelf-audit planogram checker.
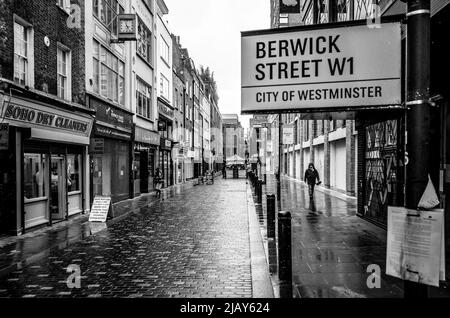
(100, 209)
(344, 65)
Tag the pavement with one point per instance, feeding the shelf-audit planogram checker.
(331, 247)
(193, 242)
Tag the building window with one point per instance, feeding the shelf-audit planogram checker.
(144, 42)
(73, 172)
(106, 11)
(143, 98)
(109, 74)
(35, 178)
(64, 73)
(22, 38)
(164, 87)
(165, 50)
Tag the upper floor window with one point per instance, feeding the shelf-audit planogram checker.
(144, 42)
(164, 50)
(106, 11)
(164, 87)
(143, 98)
(64, 73)
(22, 54)
(109, 74)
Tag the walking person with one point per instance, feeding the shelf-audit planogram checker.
(224, 171)
(311, 175)
(157, 182)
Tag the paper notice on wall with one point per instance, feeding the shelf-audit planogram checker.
(415, 245)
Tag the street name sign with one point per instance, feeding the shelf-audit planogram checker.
(321, 67)
(100, 208)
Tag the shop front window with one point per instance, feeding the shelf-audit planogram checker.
(73, 172)
(34, 176)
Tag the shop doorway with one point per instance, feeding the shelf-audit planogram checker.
(57, 188)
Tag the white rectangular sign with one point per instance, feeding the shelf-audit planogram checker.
(306, 69)
(288, 134)
(100, 208)
(415, 248)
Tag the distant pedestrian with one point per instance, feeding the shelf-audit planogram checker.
(224, 172)
(157, 182)
(311, 175)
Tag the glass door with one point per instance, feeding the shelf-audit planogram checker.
(57, 188)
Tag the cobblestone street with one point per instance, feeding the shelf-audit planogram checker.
(193, 244)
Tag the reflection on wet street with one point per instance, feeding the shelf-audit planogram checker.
(331, 247)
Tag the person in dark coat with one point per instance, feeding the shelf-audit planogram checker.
(157, 182)
(311, 175)
(224, 171)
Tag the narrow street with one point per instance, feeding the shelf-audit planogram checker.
(193, 244)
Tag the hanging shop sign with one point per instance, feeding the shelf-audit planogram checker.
(4, 136)
(162, 126)
(310, 68)
(415, 245)
(288, 134)
(127, 27)
(165, 144)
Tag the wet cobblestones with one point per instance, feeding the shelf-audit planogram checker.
(194, 244)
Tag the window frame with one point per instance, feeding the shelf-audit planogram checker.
(148, 42)
(165, 45)
(113, 25)
(29, 32)
(149, 101)
(68, 54)
(162, 80)
(98, 63)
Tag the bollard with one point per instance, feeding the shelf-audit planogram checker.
(271, 215)
(259, 186)
(284, 246)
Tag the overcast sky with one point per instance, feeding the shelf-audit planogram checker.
(210, 30)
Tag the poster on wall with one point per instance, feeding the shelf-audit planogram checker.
(415, 245)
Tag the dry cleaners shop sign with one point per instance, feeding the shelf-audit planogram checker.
(309, 69)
